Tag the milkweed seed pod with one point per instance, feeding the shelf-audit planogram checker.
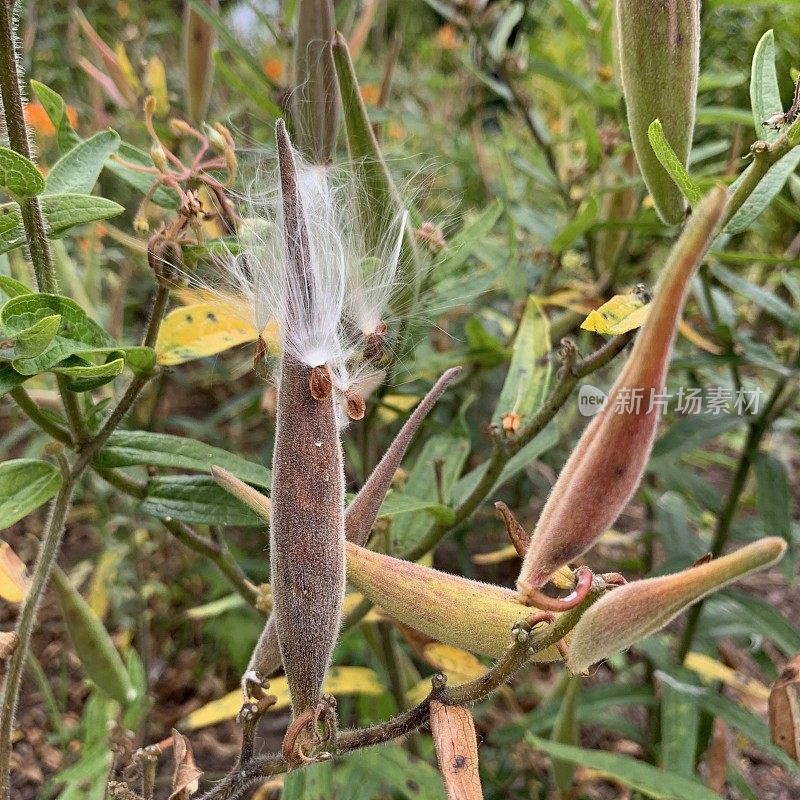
(607, 464)
(198, 56)
(359, 516)
(633, 611)
(659, 49)
(468, 614)
(315, 97)
(307, 521)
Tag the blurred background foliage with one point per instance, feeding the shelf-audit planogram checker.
(509, 136)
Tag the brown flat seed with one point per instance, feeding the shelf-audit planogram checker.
(320, 384)
(355, 406)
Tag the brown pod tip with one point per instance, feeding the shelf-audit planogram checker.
(319, 383)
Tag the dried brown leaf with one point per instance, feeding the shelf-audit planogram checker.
(185, 779)
(456, 750)
(784, 709)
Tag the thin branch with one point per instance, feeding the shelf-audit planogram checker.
(26, 404)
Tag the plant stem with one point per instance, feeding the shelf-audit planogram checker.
(26, 403)
(11, 94)
(51, 540)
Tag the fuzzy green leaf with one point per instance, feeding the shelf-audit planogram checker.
(132, 448)
(672, 164)
(10, 379)
(25, 483)
(83, 376)
(56, 109)
(643, 777)
(196, 499)
(19, 175)
(32, 341)
(765, 95)
(77, 171)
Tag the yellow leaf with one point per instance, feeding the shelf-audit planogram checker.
(393, 404)
(14, 582)
(339, 681)
(698, 339)
(103, 577)
(126, 67)
(155, 77)
(622, 313)
(709, 669)
(352, 600)
(459, 665)
(496, 556)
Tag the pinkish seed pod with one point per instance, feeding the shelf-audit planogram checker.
(632, 612)
(659, 49)
(607, 464)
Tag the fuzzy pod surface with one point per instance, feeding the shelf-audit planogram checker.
(457, 611)
(634, 611)
(606, 466)
(307, 526)
(659, 51)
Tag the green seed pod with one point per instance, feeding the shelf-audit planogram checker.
(474, 616)
(607, 464)
(659, 48)
(634, 611)
(91, 641)
(315, 98)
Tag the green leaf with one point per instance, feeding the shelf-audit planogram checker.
(765, 95)
(97, 654)
(575, 229)
(25, 483)
(528, 377)
(381, 207)
(397, 503)
(748, 724)
(565, 731)
(65, 211)
(765, 620)
(453, 450)
(10, 379)
(764, 299)
(680, 728)
(56, 109)
(196, 499)
(83, 376)
(692, 431)
(132, 448)
(672, 164)
(464, 244)
(19, 175)
(246, 88)
(540, 443)
(78, 334)
(764, 193)
(643, 777)
(312, 783)
(774, 503)
(141, 181)
(395, 769)
(32, 341)
(77, 171)
(12, 288)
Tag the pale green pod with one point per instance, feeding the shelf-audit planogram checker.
(659, 49)
(632, 612)
(457, 611)
(199, 40)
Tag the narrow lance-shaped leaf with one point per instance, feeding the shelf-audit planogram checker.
(315, 99)
(659, 46)
(671, 163)
(382, 205)
(605, 468)
(634, 611)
